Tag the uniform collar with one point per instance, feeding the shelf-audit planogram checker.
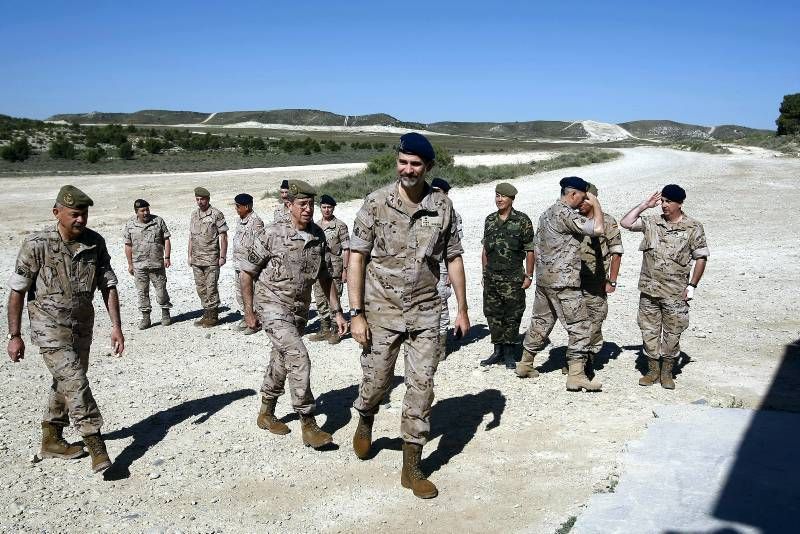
(426, 204)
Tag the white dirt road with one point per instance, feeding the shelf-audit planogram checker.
(508, 455)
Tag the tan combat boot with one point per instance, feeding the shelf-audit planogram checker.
(524, 368)
(666, 373)
(266, 418)
(144, 324)
(202, 320)
(412, 476)
(313, 436)
(212, 319)
(653, 373)
(577, 379)
(97, 450)
(362, 439)
(55, 446)
(166, 320)
(323, 333)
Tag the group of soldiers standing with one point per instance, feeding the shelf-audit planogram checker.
(401, 263)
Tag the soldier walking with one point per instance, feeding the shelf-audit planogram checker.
(208, 247)
(405, 229)
(558, 294)
(667, 281)
(281, 213)
(507, 242)
(250, 224)
(337, 256)
(147, 248)
(59, 268)
(285, 260)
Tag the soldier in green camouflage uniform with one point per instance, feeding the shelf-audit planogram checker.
(208, 248)
(147, 248)
(285, 260)
(601, 257)
(337, 256)
(250, 224)
(558, 295)
(60, 268)
(507, 243)
(667, 282)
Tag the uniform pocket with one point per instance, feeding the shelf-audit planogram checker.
(85, 269)
(572, 306)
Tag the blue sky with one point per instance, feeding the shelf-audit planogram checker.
(702, 62)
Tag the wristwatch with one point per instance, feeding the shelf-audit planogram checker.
(612, 284)
(12, 336)
(356, 311)
(529, 276)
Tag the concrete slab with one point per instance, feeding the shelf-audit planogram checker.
(703, 469)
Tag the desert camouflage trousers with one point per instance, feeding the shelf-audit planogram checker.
(289, 361)
(503, 306)
(321, 299)
(158, 277)
(422, 356)
(445, 291)
(206, 278)
(662, 321)
(569, 308)
(597, 308)
(70, 397)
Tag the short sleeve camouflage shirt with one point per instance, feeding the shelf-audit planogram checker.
(204, 230)
(281, 214)
(147, 241)
(596, 252)
(338, 238)
(246, 231)
(557, 245)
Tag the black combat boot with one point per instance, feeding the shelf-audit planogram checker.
(496, 357)
(509, 355)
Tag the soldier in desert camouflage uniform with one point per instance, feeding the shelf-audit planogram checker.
(208, 248)
(250, 224)
(667, 281)
(60, 267)
(281, 213)
(507, 242)
(405, 229)
(147, 248)
(601, 257)
(285, 260)
(337, 256)
(558, 295)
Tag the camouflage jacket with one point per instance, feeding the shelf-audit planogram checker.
(405, 246)
(596, 254)
(281, 213)
(558, 245)
(246, 231)
(204, 230)
(286, 263)
(507, 242)
(669, 249)
(146, 240)
(338, 238)
(60, 278)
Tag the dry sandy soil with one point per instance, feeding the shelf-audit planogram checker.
(508, 455)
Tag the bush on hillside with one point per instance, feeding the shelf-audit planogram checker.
(18, 150)
(789, 120)
(125, 150)
(61, 148)
(93, 155)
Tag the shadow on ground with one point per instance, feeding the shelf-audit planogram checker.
(153, 429)
(196, 314)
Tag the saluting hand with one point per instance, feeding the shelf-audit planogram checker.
(654, 199)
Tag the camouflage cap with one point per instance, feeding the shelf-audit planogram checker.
(300, 189)
(506, 189)
(201, 192)
(592, 189)
(70, 196)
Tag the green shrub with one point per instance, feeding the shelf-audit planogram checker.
(789, 120)
(125, 150)
(18, 150)
(153, 146)
(93, 155)
(61, 149)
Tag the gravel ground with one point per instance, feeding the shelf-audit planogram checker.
(507, 454)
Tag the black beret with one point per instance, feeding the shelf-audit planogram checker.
(285, 184)
(140, 203)
(574, 182)
(417, 144)
(674, 193)
(327, 199)
(243, 199)
(439, 183)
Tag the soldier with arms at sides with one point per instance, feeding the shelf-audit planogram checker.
(250, 224)
(208, 248)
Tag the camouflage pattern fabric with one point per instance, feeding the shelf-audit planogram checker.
(206, 280)
(443, 286)
(597, 308)
(669, 249)
(289, 361)
(662, 321)
(281, 214)
(146, 240)
(503, 305)
(246, 231)
(507, 242)
(158, 277)
(321, 299)
(204, 230)
(406, 244)
(421, 360)
(596, 252)
(568, 307)
(70, 395)
(558, 241)
(337, 237)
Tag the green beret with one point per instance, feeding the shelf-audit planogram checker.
(201, 192)
(300, 189)
(592, 189)
(70, 196)
(506, 189)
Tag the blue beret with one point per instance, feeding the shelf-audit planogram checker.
(417, 144)
(674, 192)
(439, 183)
(243, 199)
(327, 199)
(575, 182)
(285, 184)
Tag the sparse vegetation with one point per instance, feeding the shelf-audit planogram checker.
(61, 148)
(18, 150)
(787, 144)
(567, 525)
(700, 145)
